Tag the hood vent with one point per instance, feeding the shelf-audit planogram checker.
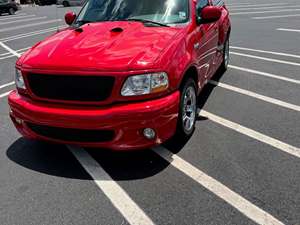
(117, 30)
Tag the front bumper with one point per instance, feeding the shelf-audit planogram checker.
(126, 120)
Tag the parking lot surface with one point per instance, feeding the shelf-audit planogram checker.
(241, 166)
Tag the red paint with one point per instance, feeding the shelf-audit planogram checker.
(211, 13)
(70, 17)
(97, 51)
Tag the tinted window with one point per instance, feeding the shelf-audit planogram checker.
(218, 2)
(200, 5)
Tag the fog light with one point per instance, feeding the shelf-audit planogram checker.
(149, 133)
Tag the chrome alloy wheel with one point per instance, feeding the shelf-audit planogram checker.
(189, 109)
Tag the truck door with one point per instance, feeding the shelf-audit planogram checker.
(207, 35)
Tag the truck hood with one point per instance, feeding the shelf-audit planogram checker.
(107, 46)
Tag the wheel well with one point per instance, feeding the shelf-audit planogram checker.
(190, 73)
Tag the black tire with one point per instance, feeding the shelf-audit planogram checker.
(66, 4)
(11, 11)
(226, 55)
(182, 132)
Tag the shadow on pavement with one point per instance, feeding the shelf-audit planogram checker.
(55, 160)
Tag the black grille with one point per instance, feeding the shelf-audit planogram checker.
(71, 88)
(74, 135)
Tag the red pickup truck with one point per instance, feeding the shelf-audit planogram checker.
(124, 75)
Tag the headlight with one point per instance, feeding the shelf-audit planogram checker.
(145, 84)
(20, 80)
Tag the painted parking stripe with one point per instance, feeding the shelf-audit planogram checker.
(274, 17)
(264, 51)
(7, 85)
(260, 8)
(238, 202)
(241, 5)
(284, 147)
(4, 94)
(119, 198)
(260, 73)
(13, 52)
(10, 56)
(290, 30)
(29, 25)
(264, 12)
(33, 33)
(16, 17)
(257, 96)
(19, 51)
(12, 16)
(24, 20)
(265, 58)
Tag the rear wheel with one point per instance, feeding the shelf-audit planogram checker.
(11, 11)
(226, 56)
(187, 110)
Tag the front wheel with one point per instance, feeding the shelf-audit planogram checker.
(187, 110)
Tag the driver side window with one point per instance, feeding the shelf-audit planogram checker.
(200, 5)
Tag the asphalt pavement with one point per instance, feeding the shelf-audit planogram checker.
(241, 166)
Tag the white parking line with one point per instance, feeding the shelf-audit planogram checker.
(7, 85)
(23, 20)
(260, 8)
(19, 51)
(29, 25)
(119, 198)
(256, 72)
(292, 150)
(12, 16)
(13, 52)
(238, 202)
(257, 96)
(4, 94)
(274, 17)
(264, 12)
(265, 59)
(264, 51)
(241, 5)
(16, 17)
(290, 30)
(33, 33)
(10, 56)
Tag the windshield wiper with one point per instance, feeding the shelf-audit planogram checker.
(147, 21)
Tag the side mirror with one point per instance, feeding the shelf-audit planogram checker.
(70, 17)
(209, 14)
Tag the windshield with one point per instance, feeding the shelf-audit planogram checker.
(159, 11)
